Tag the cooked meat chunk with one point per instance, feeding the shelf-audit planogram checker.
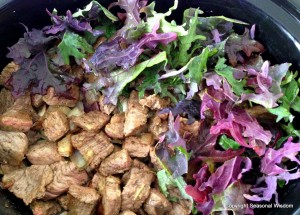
(187, 131)
(83, 200)
(6, 100)
(65, 175)
(93, 147)
(178, 209)
(115, 128)
(55, 125)
(29, 183)
(155, 160)
(63, 109)
(16, 121)
(136, 166)
(135, 116)
(137, 189)
(63, 201)
(6, 168)
(158, 126)
(78, 72)
(20, 116)
(127, 213)
(157, 203)
(43, 153)
(33, 136)
(45, 208)
(51, 99)
(7, 72)
(13, 147)
(154, 102)
(91, 121)
(37, 100)
(187, 205)
(98, 182)
(106, 108)
(117, 162)
(111, 197)
(139, 146)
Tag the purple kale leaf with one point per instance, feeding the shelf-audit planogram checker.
(273, 169)
(34, 75)
(209, 184)
(273, 158)
(204, 148)
(240, 125)
(61, 23)
(171, 149)
(264, 193)
(232, 196)
(33, 42)
(266, 84)
(174, 160)
(191, 108)
(132, 9)
(112, 84)
(110, 54)
(237, 43)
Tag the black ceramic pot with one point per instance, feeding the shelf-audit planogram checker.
(278, 28)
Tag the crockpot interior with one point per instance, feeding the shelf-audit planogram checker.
(278, 29)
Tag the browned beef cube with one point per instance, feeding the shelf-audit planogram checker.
(115, 129)
(111, 197)
(157, 203)
(29, 183)
(13, 147)
(93, 147)
(141, 211)
(136, 166)
(135, 116)
(184, 204)
(43, 153)
(155, 160)
(56, 125)
(189, 130)
(45, 208)
(83, 200)
(16, 121)
(158, 126)
(154, 102)
(177, 209)
(137, 189)
(117, 162)
(106, 108)
(7, 72)
(33, 136)
(98, 182)
(6, 168)
(6, 100)
(20, 116)
(52, 99)
(91, 121)
(37, 100)
(65, 175)
(139, 146)
(127, 212)
(63, 201)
